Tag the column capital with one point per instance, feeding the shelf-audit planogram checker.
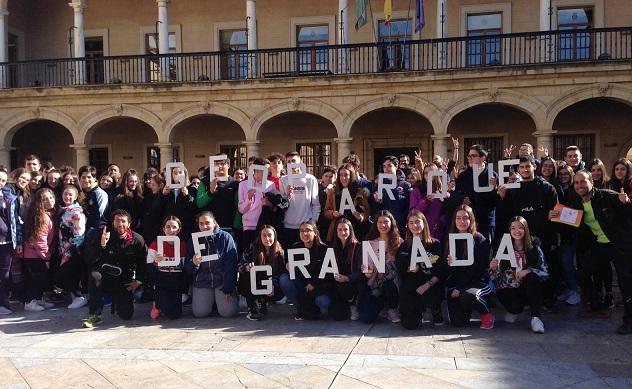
(441, 136)
(162, 3)
(79, 146)
(78, 5)
(4, 12)
(163, 144)
(538, 133)
(343, 140)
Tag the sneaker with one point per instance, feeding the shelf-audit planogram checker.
(282, 301)
(574, 298)
(184, 298)
(254, 315)
(45, 304)
(78, 302)
(565, 295)
(510, 318)
(393, 315)
(355, 314)
(536, 325)
(487, 321)
(5, 311)
(437, 317)
(33, 306)
(625, 329)
(154, 313)
(608, 301)
(92, 321)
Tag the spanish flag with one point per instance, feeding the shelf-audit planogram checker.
(388, 11)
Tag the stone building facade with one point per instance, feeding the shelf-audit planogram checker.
(574, 88)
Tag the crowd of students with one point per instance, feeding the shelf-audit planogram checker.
(126, 237)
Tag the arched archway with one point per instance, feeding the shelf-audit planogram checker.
(599, 126)
(389, 131)
(197, 137)
(493, 125)
(47, 139)
(308, 133)
(207, 108)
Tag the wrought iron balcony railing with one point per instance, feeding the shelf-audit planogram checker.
(503, 50)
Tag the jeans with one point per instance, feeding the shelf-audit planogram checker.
(568, 266)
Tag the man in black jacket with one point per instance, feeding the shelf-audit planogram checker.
(118, 268)
(604, 236)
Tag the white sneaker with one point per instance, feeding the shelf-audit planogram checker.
(510, 318)
(282, 301)
(5, 311)
(536, 325)
(45, 304)
(355, 315)
(33, 306)
(574, 298)
(565, 295)
(78, 302)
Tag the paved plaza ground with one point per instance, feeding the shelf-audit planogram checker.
(50, 349)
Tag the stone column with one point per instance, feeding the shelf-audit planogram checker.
(82, 155)
(442, 32)
(4, 52)
(544, 139)
(545, 25)
(251, 25)
(163, 37)
(5, 157)
(79, 44)
(252, 148)
(343, 148)
(166, 153)
(343, 34)
(440, 145)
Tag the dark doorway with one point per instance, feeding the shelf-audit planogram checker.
(99, 158)
(380, 153)
(94, 60)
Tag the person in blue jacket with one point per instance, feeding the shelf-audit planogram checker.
(401, 194)
(10, 238)
(214, 282)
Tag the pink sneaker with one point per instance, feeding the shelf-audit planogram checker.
(487, 321)
(155, 313)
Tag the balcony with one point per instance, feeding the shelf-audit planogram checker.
(491, 51)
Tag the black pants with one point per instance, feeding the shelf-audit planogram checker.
(69, 274)
(528, 293)
(460, 308)
(370, 305)
(342, 297)
(597, 258)
(6, 256)
(412, 305)
(245, 290)
(122, 299)
(168, 289)
(35, 275)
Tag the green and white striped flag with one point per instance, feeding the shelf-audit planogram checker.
(360, 14)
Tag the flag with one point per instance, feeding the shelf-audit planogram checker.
(420, 17)
(388, 11)
(360, 14)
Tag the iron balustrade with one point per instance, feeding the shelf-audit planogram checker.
(502, 50)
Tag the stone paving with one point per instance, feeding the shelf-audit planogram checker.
(50, 350)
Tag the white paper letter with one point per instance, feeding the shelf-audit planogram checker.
(456, 261)
(252, 184)
(418, 254)
(444, 184)
(346, 202)
(294, 176)
(212, 168)
(502, 174)
(329, 264)
(378, 260)
(477, 172)
(506, 251)
(160, 240)
(381, 185)
(198, 246)
(301, 265)
(169, 175)
(267, 281)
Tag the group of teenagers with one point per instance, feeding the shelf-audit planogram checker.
(92, 240)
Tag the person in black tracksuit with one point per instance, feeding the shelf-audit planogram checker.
(604, 236)
(266, 250)
(349, 277)
(118, 268)
(180, 203)
(466, 289)
(422, 286)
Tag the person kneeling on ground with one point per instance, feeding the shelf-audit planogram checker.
(118, 268)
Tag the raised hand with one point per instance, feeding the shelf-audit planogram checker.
(105, 237)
